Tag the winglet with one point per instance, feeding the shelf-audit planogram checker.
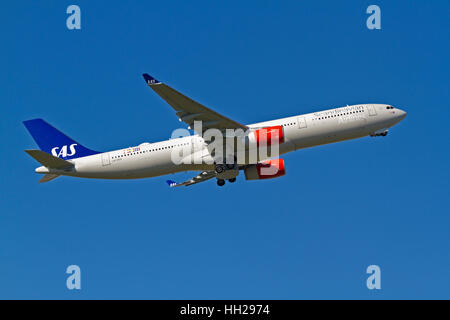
(149, 79)
(171, 183)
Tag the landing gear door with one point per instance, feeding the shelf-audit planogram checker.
(105, 159)
(372, 111)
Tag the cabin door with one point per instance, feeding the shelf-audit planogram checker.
(301, 122)
(105, 159)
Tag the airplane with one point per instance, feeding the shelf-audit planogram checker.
(60, 155)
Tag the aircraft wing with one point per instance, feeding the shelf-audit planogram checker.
(189, 110)
(203, 176)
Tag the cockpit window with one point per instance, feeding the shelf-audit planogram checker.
(389, 107)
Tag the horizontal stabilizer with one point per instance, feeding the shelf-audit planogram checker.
(48, 177)
(49, 161)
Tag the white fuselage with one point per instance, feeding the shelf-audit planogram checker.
(302, 131)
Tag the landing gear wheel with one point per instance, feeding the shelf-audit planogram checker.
(220, 182)
(232, 180)
(219, 168)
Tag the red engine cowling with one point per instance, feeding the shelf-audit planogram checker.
(268, 136)
(265, 170)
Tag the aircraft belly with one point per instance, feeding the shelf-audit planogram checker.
(124, 168)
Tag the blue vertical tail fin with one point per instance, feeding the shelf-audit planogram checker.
(51, 140)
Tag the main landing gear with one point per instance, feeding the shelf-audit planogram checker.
(223, 167)
(221, 182)
(227, 171)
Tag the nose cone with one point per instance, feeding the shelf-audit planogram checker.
(402, 114)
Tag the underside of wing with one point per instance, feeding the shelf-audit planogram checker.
(189, 110)
(204, 176)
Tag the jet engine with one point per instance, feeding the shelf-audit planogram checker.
(267, 136)
(265, 170)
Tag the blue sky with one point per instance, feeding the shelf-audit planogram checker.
(310, 234)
